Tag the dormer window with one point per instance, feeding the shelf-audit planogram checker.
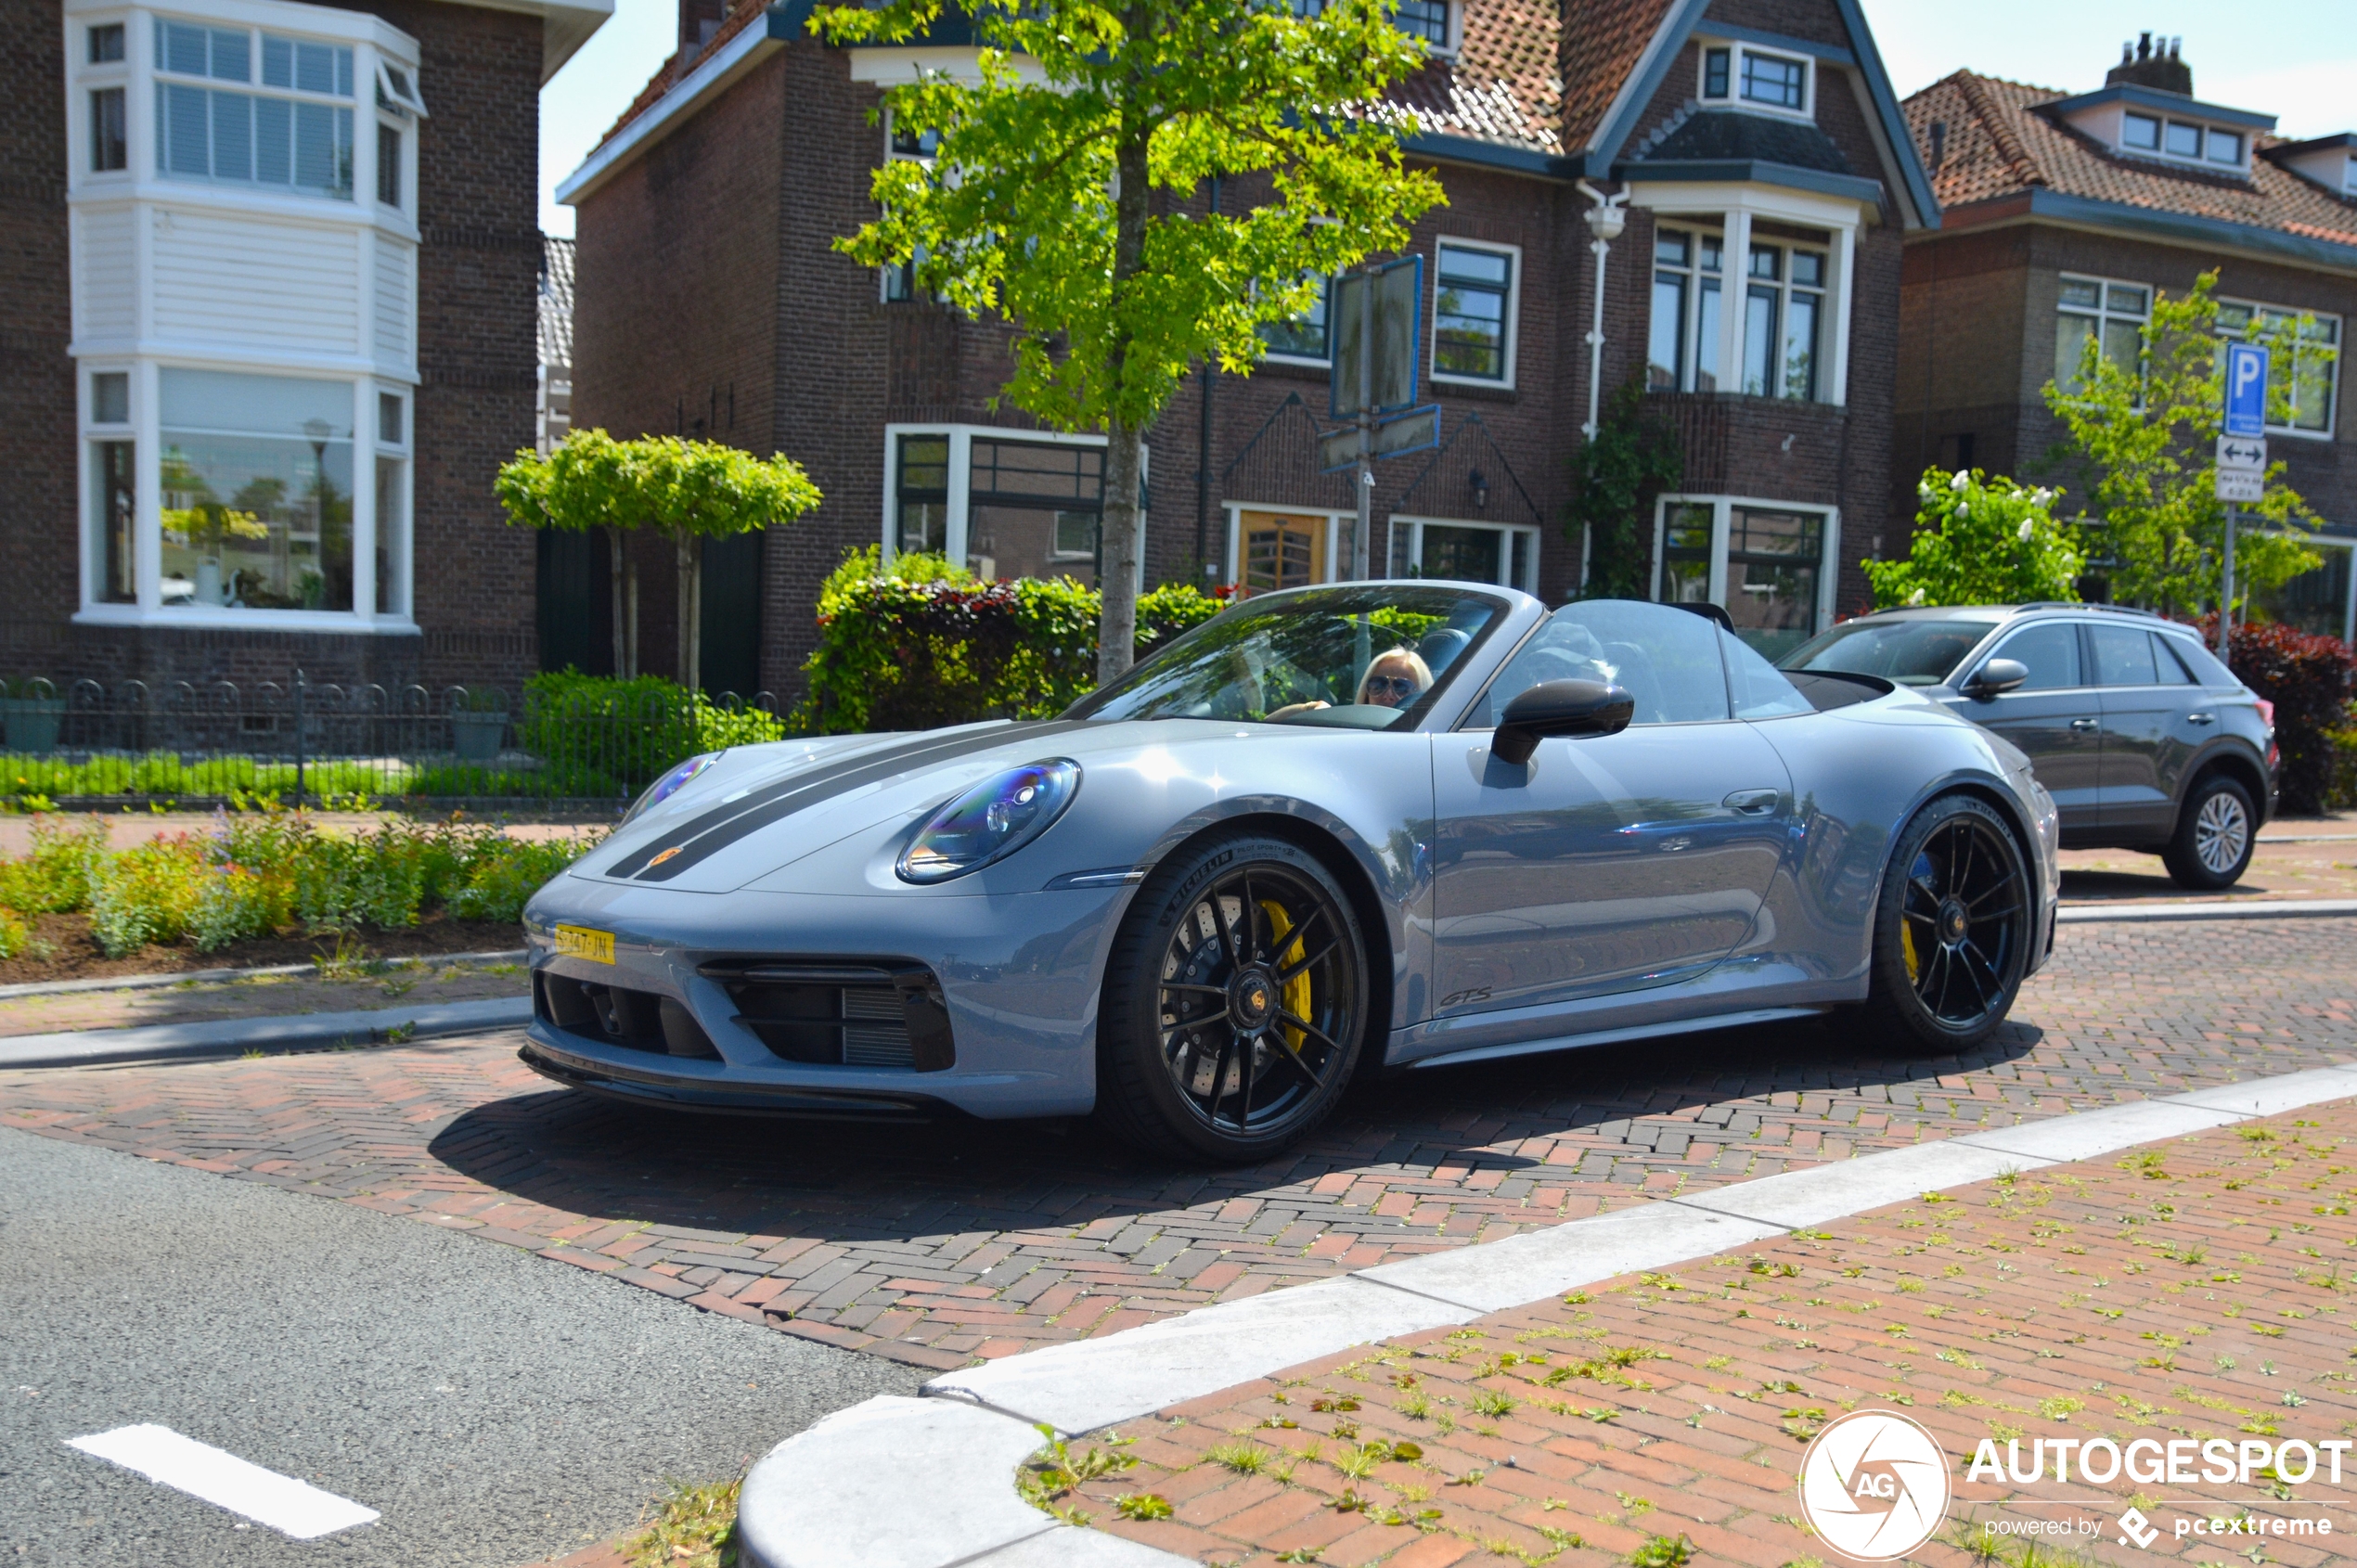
(1431, 21)
(2183, 139)
(1740, 76)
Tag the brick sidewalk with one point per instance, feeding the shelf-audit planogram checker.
(2195, 1289)
(934, 1244)
(2277, 871)
(403, 984)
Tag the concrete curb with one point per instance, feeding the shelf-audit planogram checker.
(149, 982)
(235, 1036)
(2207, 910)
(899, 1483)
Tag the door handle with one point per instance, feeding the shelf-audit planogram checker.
(2201, 718)
(1754, 803)
(2086, 724)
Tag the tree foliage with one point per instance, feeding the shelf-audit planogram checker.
(677, 488)
(1981, 539)
(2145, 436)
(1061, 199)
(1633, 457)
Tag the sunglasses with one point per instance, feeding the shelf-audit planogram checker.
(1397, 686)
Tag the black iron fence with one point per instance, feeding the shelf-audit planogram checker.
(85, 744)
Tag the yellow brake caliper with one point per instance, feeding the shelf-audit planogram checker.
(1907, 948)
(1296, 996)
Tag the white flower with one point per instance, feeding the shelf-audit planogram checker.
(1964, 509)
(1960, 481)
(1915, 597)
(2022, 532)
(2042, 495)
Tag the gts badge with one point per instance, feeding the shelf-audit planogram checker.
(1478, 994)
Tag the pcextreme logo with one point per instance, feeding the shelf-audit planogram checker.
(1874, 1485)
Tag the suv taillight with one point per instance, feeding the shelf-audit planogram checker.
(2266, 712)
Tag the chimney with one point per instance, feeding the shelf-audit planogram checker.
(699, 20)
(2142, 64)
(1939, 143)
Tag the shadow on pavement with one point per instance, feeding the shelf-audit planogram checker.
(853, 1182)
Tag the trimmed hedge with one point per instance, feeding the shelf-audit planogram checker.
(600, 735)
(924, 644)
(2309, 678)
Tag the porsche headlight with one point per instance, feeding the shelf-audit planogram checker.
(991, 821)
(670, 784)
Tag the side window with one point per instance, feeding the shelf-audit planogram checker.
(2123, 656)
(1668, 659)
(2173, 670)
(2201, 663)
(2050, 651)
(1758, 687)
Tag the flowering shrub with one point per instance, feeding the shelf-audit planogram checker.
(1981, 539)
(2308, 679)
(145, 895)
(926, 643)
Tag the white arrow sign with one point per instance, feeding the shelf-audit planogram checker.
(2242, 452)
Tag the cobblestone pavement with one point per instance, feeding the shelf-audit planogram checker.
(2277, 870)
(934, 1244)
(401, 984)
(2192, 1290)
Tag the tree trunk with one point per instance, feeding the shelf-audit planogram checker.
(683, 575)
(621, 632)
(1122, 534)
(630, 589)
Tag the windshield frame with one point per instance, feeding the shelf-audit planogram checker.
(1990, 626)
(1512, 608)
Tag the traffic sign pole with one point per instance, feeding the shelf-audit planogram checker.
(1359, 542)
(2226, 599)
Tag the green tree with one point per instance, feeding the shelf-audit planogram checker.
(1981, 539)
(688, 491)
(1060, 200)
(1633, 457)
(2145, 436)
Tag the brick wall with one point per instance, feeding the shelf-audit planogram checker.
(478, 194)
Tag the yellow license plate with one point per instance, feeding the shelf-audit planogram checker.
(580, 942)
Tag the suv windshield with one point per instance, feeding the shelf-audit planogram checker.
(1914, 651)
(1370, 656)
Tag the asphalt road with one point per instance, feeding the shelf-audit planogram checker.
(309, 1338)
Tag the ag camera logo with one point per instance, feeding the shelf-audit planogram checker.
(1874, 1485)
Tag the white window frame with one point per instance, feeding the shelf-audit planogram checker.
(2103, 315)
(2161, 120)
(2340, 334)
(1275, 357)
(1732, 208)
(961, 479)
(89, 432)
(1415, 523)
(1736, 52)
(1233, 572)
(403, 557)
(1687, 373)
(1514, 312)
(1722, 510)
(1784, 287)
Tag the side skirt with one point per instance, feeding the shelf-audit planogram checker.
(1614, 1036)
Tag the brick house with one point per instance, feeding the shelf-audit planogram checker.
(1756, 145)
(2065, 212)
(267, 331)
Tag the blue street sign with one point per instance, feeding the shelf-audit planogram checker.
(2246, 389)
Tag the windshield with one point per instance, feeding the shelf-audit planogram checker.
(1365, 656)
(1914, 651)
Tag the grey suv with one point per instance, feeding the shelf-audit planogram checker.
(2145, 740)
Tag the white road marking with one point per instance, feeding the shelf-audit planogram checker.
(292, 1507)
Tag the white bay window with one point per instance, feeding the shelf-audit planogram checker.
(1751, 289)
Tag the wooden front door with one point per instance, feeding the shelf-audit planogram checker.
(1280, 551)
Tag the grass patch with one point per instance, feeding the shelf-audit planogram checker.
(693, 1527)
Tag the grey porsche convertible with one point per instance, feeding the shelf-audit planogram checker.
(1334, 832)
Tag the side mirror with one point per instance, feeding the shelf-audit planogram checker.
(1560, 707)
(1996, 677)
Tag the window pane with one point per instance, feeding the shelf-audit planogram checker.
(277, 61)
(1465, 555)
(1714, 73)
(2123, 656)
(2081, 294)
(1470, 312)
(274, 142)
(2169, 670)
(2049, 652)
(1665, 341)
(1759, 689)
(1706, 337)
(230, 59)
(2225, 146)
(181, 48)
(1483, 269)
(390, 423)
(1800, 345)
(2071, 333)
(1667, 659)
(109, 145)
(392, 526)
(1769, 78)
(924, 465)
(1521, 570)
(232, 136)
(1767, 262)
(1077, 535)
(1304, 335)
(1671, 247)
(1773, 562)
(1427, 19)
(1759, 341)
(257, 481)
(111, 511)
(388, 165)
(924, 527)
(1039, 470)
(2121, 297)
(1809, 269)
(106, 43)
(2140, 131)
(2123, 340)
(111, 398)
(1686, 554)
(2183, 141)
(1713, 250)
(182, 117)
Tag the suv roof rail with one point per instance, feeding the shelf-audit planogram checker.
(2099, 608)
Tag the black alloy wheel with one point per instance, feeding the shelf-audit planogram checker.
(1234, 1002)
(1953, 931)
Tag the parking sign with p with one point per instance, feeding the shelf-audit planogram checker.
(2246, 389)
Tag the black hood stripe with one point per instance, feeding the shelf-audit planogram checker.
(699, 838)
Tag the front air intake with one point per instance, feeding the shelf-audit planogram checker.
(887, 1014)
(616, 1015)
